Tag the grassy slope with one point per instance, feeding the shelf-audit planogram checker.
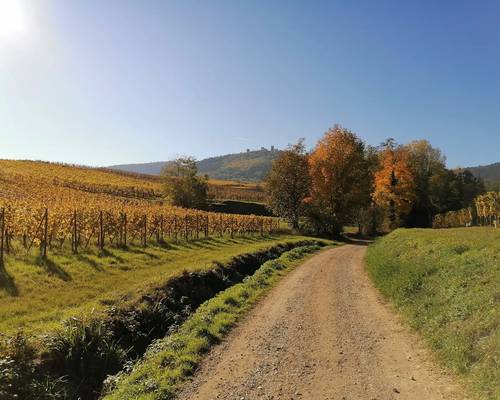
(37, 297)
(446, 283)
(171, 360)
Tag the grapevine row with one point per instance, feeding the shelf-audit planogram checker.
(23, 227)
(485, 211)
(226, 192)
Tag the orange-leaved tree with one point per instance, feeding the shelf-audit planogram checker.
(339, 178)
(394, 183)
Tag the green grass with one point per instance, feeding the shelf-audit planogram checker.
(35, 296)
(446, 283)
(170, 361)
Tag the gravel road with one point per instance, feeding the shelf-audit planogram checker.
(322, 333)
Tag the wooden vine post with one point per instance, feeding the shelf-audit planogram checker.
(197, 226)
(45, 231)
(145, 230)
(2, 232)
(160, 237)
(157, 231)
(125, 229)
(7, 241)
(74, 236)
(175, 228)
(101, 231)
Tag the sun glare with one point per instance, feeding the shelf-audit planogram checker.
(13, 19)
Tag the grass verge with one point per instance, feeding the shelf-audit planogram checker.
(446, 283)
(171, 360)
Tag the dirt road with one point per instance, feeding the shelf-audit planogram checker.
(322, 333)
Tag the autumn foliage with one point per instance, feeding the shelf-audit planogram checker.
(343, 181)
(339, 175)
(394, 184)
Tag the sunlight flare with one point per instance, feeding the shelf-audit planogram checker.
(13, 20)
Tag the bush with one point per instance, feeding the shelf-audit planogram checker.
(87, 352)
(19, 378)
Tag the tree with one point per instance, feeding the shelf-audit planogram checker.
(394, 189)
(183, 187)
(445, 195)
(368, 216)
(339, 179)
(288, 183)
(426, 164)
(468, 186)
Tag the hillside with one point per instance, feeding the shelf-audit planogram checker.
(249, 166)
(490, 173)
(152, 168)
(18, 177)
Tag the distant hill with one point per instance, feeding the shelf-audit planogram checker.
(490, 173)
(152, 168)
(250, 166)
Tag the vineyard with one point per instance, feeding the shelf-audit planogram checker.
(484, 212)
(228, 190)
(47, 206)
(114, 183)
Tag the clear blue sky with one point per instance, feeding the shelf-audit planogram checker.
(103, 82)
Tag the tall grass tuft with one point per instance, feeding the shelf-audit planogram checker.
(87, 352)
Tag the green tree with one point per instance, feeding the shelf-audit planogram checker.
(288, 183)
(367, 215)
(427, 164)
(183, 187)
(470, 185)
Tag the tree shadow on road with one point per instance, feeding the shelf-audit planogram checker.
(356, 239)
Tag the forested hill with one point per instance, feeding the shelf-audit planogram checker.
(248, 166)
(490, 173)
